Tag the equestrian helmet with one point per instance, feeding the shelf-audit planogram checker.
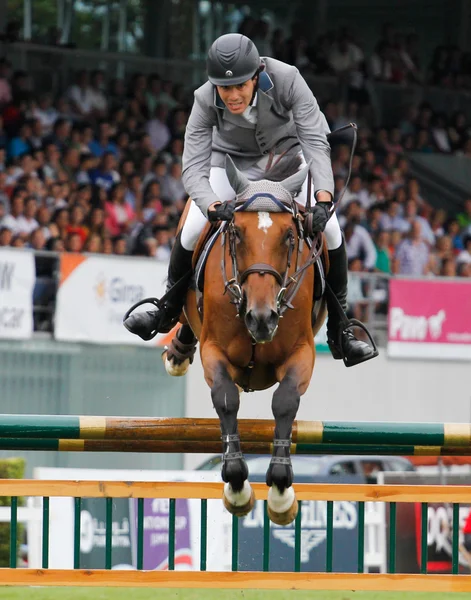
(232, 60)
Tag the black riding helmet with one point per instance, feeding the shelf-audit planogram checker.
(232, 59)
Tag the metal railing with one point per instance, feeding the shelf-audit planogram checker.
(298, 579)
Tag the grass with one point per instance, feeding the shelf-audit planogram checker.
(166, 594)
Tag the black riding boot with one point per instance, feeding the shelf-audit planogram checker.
(144, 324)
(355, 351)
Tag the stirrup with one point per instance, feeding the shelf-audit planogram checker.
(155, 301)
(347, 324)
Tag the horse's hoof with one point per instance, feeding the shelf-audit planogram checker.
(284, 518)
(175, 370)
(239, 505)
(282, 508)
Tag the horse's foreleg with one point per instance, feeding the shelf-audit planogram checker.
(238, 496)
(282, 503)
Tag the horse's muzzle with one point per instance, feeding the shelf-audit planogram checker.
(262, 324)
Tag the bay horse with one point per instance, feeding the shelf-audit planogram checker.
(256, 327)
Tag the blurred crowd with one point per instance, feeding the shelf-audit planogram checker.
(395, 58)
(95, 170)
(98, 169)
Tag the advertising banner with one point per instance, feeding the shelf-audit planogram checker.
(313, 539)
(124, 525)
(17, 279)
(429, 319)
(95, 292)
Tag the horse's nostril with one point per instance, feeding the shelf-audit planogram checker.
(250, 320)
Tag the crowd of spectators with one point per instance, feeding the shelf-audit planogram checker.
(98, 169)
(395, 58)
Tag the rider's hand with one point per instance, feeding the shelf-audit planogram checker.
(223, 211)
(320, 213)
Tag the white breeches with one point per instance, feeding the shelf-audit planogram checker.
(195, 220)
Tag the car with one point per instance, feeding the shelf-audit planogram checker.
(323, 467)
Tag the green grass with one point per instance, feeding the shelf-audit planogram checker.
(161, 594)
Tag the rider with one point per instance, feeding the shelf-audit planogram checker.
(252, 107)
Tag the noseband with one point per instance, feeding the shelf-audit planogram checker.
(289, 284)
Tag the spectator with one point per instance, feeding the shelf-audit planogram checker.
(119, 245)
(73, 242)
(30, 223)
(60, 134)
(37, 240)
(105, 176)
(360, 245)
(98, 102)
(20, 144)
(15, 221)
(448, 268)
(172, 186)
(464, 217)
(93, 244)
(411, 216)
(6, 235)
(45, 113)
(81, 95)
(413, 255)
(76, 223)
(102, 144)
(463, 269)
(119, 214)
(383, 252)
(157, 128)
(5, 88)
(96, 222)
(465, 255)
(391, 218)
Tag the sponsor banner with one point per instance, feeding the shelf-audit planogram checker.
(95, 293)
(429, 319)
(17, 279)
(313, 539)
(124, 525)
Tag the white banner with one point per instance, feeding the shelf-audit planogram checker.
(17, 279)
(95, 293)
(61, 524)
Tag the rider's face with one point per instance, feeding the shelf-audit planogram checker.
(237, 97)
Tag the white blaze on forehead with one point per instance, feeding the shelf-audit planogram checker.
(264, 221)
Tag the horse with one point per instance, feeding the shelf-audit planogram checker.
(256, 327)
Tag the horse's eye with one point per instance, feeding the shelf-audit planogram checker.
(238, 234)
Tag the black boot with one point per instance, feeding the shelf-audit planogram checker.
(354, 351)
(147, 324)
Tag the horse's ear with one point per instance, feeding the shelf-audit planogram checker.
(238, 180)
(294, 183)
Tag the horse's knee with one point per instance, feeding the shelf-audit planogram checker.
(225, 394)
(286, 400)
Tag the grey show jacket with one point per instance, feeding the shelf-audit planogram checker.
(285, 107)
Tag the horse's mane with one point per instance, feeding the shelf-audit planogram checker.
(283, 168)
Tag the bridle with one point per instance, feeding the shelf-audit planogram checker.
(289, 284)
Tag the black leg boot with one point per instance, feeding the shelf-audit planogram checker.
(146, 324)
(355, 351)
